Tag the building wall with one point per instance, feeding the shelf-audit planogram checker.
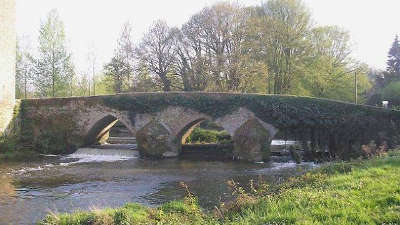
(7, 61)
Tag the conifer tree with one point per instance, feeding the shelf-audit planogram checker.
(393, 63)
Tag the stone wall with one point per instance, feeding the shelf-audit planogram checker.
(7, 62)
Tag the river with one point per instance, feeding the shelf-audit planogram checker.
(99, 178)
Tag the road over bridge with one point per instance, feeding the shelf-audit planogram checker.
(161, 121)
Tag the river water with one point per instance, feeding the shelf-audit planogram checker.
(99, 178)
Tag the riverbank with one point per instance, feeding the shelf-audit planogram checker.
(20, 156)
(10, 151)
(358, 192)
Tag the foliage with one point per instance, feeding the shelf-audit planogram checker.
(282, 19)
(393, 63)
(272, 48)
(200, 135)
(24, 71)
(391, 93)
(54, 70)
(269, 48)
(157, 53)
(116, 72)
(386, 87)
(119, 72)
(359, 192)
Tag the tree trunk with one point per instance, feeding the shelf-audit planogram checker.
(166, 82)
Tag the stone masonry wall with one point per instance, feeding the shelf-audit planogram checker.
(7, 61)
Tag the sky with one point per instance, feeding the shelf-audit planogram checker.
(95, 25)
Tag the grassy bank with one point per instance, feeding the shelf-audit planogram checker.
(359, 192)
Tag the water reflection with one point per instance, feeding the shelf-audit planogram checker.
(65, 184)
(7, 189)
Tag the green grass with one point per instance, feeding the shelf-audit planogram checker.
(358, 192)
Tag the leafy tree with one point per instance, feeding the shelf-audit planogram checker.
(115, 72)
(24, 70)
(329, 71)
(391, 93)
(81, 84)
(286, 26)
(103, 85)
(144, 81)
(54, 70)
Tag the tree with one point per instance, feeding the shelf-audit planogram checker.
(191, 64)
(24, 68)
(115, 72)
(90, 75)
(156, 51)
(328, 70)
(54, 70)
(393, 63)
(125, 52)
(286, 27)
(213, 51)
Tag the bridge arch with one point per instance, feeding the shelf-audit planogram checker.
(162, 135)
(187, 130)
(99, 131)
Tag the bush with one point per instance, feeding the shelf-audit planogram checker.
(200, 135)
(391, 93)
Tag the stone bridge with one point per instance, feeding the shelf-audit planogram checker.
(161, 121)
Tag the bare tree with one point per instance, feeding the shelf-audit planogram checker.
(92, 67)
(191, 62)
(157, 52)
(126, 52)
(215, 37)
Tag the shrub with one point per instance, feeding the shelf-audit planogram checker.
(200, 135)
(391, 93)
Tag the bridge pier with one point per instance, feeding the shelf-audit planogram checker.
(252, 142)
(154, 140)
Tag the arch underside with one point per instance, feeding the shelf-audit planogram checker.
(99, 132)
